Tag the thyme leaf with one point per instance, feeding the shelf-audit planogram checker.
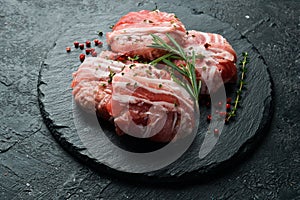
(243, 69)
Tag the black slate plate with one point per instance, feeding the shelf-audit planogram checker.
(237, 139)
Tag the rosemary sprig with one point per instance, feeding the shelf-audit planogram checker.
(243, 64)
(188, 70)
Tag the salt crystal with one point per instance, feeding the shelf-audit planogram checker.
(247, 16)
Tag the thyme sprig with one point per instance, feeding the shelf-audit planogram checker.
(243, 69)
(176, 52)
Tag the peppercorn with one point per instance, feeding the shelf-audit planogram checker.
(88, 43)
(81, 57)
(81, 46)
(216, 131)
(76, 44)
(96, 41)
(87, 51)
(206, 45)
(209, 117)
(228, 106)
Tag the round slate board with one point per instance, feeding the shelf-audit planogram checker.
(237, 138)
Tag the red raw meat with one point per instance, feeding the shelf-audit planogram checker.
(90, 85)
(213, 54)
(131, 34)
(146, 102)
(141, 100)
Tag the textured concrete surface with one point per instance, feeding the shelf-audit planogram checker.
(34, 166)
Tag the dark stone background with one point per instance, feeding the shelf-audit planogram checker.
(34, 166)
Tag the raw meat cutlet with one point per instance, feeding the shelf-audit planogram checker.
(131, 34)
(215, 57)
(141, 100)
(146, 102)
(91, 87)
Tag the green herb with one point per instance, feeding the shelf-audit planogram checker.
(100, 33)
(200, 56)
(166, 56)
(135, 58)
(111, 26)
(148, 21)
(148, 72)
(130, 67)
(188, 70)
(111, 75)
(243, 69)
(160, 85)
(156, 8)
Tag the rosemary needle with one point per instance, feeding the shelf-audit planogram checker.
(176, 51)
